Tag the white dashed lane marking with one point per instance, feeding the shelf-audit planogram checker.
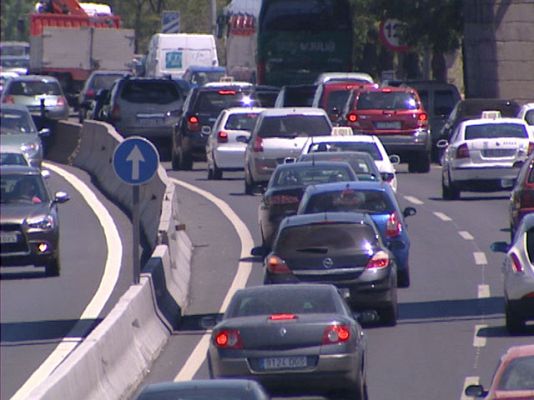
(414, 200)
(466, 235)
(480, 258)
(479, 341)
(483, 291)
(443, 217)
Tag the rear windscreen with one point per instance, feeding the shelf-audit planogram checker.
(291, 126)
(241, 122)
(298, 97)
(493, 131)
(213, 102)
(370, 201)
(150, 92)
(366, 147)
(34, 88)
(386, 101)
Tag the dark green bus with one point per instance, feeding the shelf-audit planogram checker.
(299, 39)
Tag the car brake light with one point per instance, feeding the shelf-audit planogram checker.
(222, 137)
(227, 92)
(378, 261)
(386, 90)
(193, 123)
(336, 334)
(462, 151)
(422, 117)
(228, 339)
(276, 265)
(530, 148)
(282, 317)
(9, 100)
(258, 144)
(352, 117)
(90, 93)
(526, 198)
(60, 101)
(284, 199)
(393, 226)
(116, 112)
(516, 263)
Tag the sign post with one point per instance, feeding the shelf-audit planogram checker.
(135, 161)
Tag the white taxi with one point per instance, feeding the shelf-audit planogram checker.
(484, 154)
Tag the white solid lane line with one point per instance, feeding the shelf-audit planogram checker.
(442, 216)
(197, 357)
(470, 380)
(479, 341)
(480, 258)
(483, 291)
(466, 235)
(414, 200)
(107, 283)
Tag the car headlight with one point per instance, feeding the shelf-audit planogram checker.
(42, 223)
(30, 149)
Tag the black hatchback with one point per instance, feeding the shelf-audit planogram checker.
(340, 248)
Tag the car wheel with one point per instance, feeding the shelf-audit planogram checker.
(52, 267)
(210, 368)
(514, 323)
(249, 184)
(389, 313)
(217, 172)
(449, 192)
(186, 159)
(423, 162)
(210, 173)
(403, 278)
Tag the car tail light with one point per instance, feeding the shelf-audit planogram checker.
(222, 137)
(228, 339)
(393, 225)
(227, 92)
(116, 112)
(276, 265)
(530, 148)
(90, 93)
(336, 334)
(378, 261)
(462, 151)
(422, 119)
(352, 117)
(9, 100)
(282, 317)
(60, 101)
(526, 198)
(258, 145)
(280, 199)
(193, 123)
(516, 263)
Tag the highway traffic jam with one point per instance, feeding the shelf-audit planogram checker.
(337, 181)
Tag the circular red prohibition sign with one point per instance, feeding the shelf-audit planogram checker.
(390, 35)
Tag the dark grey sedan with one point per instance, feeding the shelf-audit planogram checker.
(292, 339)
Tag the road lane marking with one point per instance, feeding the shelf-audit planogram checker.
(442, 216)
(479, 341)
(414, 200)
(107, 283)
(198, 356)
(470, 380)
(483, 291)
(480, 258)
(466, 235)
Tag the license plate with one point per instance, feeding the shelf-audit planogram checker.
(8, 237)
(273, 363)
(388, 125)
(151, 121)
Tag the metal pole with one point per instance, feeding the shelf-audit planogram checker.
(136, 259)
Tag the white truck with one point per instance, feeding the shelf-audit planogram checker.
(172, 53)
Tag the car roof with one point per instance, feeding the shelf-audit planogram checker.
(352, 138)
(231, 85)
(519, 351)
(197, 383)
(307, 219)
(326, 76)
(244, 110)
(281, 111)
(388, 89)
(378, 186)
(307, 164)
(287, 286)
(325, 155)
(496, 121)
(20, 170)
(205, 68)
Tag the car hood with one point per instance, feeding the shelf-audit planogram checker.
(17, 213)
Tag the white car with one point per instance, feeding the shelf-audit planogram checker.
(484, 154)
(344, 77)
(527, 113)
(366, 143)
(279, 134)
(226, 144)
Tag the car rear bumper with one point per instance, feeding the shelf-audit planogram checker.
(229, 157)
(418, 141)
(480, 173)
(263, 168)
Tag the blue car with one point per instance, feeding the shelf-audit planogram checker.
(197, 75)
(379, 201)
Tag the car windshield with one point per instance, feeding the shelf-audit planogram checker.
(304, 176)
(366, 147)
(164, 92)
(291, 126)
(22, 189)
(530, 245)
(200, 393)
(241, 122)
(493, 131)
(34, 88)
(15, 122)
(287, 301)
(386, 101)
(369, 201)
(328, 236)
(519, 375)
(529, 117)
(13, 159)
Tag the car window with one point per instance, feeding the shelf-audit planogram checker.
(371, 201)
(323, 238)
(519, 375)
(366, 147)
(240, 121)
(337, 99)
(291, 126)
(34, 88)
(104, 81)
(444, 101)
(492, 131)
(13, 159)
(150, 92)
(386, 101)
(304, 176)
(200, 393)
(529, 117)
(22, 189)
(213, 102)
(530, 245)
(15, 121)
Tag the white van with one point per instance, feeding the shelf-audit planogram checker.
(172, 53)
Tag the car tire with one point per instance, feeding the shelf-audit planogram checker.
(514, 323)
(450, 192)
(403, 278)
(210, 173)
(185, 159)
(249, 185)
(217, 172)
(419, 162)
(210, 368)
(175, 159)
(389, 313)
(52, 268)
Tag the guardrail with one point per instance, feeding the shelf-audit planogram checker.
(117, 354)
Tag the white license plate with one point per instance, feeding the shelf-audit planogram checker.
(388, 125)
(272, 363)
(151, 121)
(8, 237)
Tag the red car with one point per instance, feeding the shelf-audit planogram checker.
(513, 379)
(397, 116)
(522, 195)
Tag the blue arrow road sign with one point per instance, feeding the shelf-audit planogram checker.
(135, 160)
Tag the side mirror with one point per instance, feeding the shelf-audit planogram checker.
(442, 144)
(387, 176)
(44, 132)
(61, 197)
(395, 159)
(409, 211)
(475, 391)
(242, 139)
(499, 247)
(259, 251)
